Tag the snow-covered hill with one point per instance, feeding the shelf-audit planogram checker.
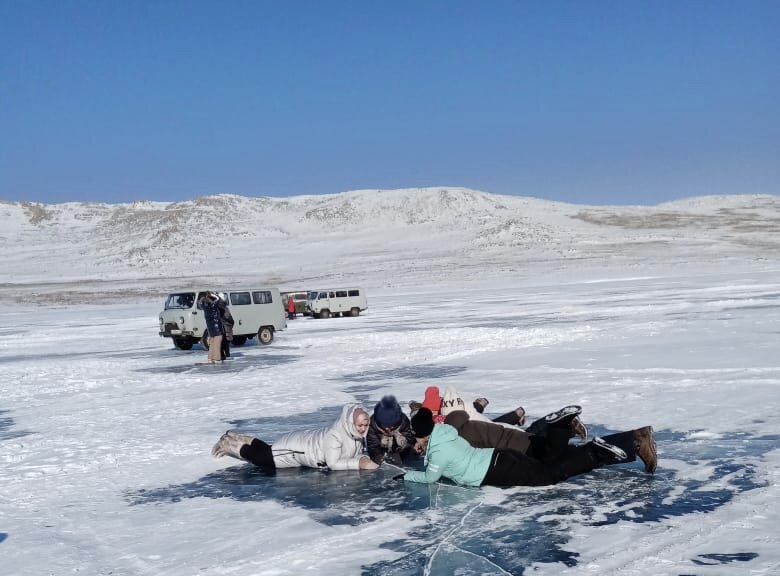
(152, 246)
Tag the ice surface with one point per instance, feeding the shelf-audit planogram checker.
(106, 429)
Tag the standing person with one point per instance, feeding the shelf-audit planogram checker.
(291, 307)
(214, 325)
(390, 433)
(227, 325)
(449, 455)
(336, 447)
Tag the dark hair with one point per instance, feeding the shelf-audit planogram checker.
(422, 423)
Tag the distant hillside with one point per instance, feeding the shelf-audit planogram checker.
(361, 234)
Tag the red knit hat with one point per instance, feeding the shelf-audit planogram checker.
(432, 399)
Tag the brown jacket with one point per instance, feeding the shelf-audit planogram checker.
(488, 434)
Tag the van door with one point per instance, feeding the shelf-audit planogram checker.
(240, 303)
(323, 305)
(341, 304)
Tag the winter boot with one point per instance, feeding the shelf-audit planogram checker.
(564, 413)
(514, 418)
(607, 453)
(520, 411)
(566, 418)
(639, 442)
(230, 444)
(645, 448)
(480, 404)
(578, 428)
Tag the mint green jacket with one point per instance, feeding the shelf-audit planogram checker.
(451, 456)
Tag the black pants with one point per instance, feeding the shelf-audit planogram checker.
(258, 453)
(551, 446)
(510, 468)
(225, 348)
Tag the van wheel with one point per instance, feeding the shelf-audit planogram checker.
(239, 340)
(325, 313)
(265, 335)
(356, 312)
(182, 343)
(204, 341)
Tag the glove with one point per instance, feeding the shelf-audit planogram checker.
(399, 477)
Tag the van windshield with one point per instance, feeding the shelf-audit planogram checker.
(182, 301)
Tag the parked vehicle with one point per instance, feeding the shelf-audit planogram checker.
(342, 301)
(256, 312)
(300, 299)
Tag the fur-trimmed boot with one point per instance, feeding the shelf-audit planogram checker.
(645, 448)
(230, 444)
(639, 442)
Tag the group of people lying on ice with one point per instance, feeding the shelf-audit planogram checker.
(456, 439)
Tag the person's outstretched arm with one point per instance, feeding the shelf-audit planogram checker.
(431, 474)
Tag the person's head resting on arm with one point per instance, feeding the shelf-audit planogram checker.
(422, 424)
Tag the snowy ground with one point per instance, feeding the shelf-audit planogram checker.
(105, 433)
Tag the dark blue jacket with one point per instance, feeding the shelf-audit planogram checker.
(213, 316)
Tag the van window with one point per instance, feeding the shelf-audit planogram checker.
(182, 301)
(240, 298)
(341, 293)
(200, 296)
(322, 295)
(331, 295)
(354, 292)
(262, 297)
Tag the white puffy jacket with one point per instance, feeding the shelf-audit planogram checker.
(339, 447)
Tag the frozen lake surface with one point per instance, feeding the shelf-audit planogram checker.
(106, 431)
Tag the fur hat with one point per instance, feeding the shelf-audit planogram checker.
(422, 423)
(387, 412)
(432, 399)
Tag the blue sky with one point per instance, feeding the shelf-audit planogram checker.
(589, 102)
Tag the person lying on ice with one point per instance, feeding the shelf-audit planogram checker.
(452, 401)
(337, 447)
(550, 439)
(450, 456)
(389, 433)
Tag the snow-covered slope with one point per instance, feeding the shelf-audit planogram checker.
(396, 234)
